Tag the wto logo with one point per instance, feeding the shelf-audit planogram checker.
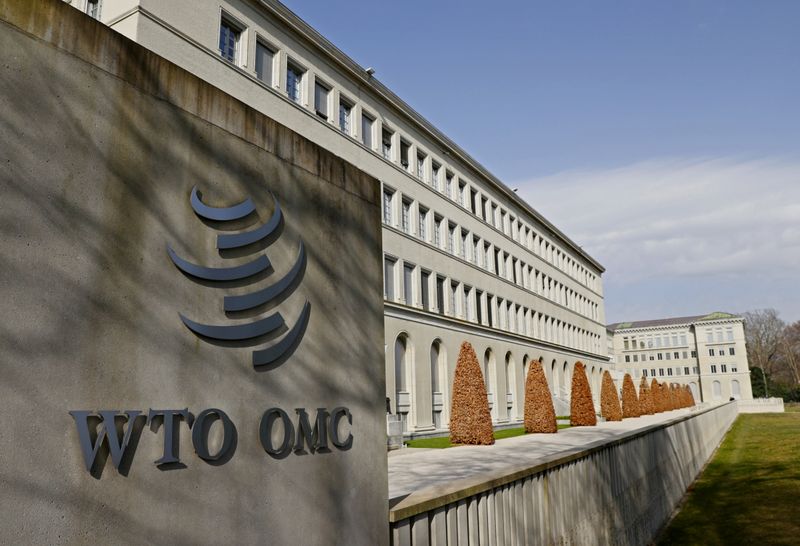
(270, 324)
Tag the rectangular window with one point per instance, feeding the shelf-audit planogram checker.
(440, 294)
(683, 339)
(265, 58)
(386, 144)
(422, 225)
(636, 358)
(345, 117)
(696, 370)
(686, 370)
(676, 355)
(709, 335)
(627, 358)
(466, 312)
(448, 185)
(685, 354)
(405, 150)
(405, 220)
(451, 238)
(711, 352)
(652, 372)
(713, 368)
(388, 278)
(435, 171)
(674, 341)
(678, 371)
(421, 166)
(294, 83)
(661, 372)
(729, 333)
(476, 249)
(462, 195)
(733, 369)
(669, 356)
(388, 197)
(625, 343)
(437, 232)
(731, 351)
(453, 291)
(408, 284)
(462, 250)
(489, 310)
(321, 94)
(669, 371)
(694, 354)
(93, 9)
(724, 368)
(644, 372)
(479, 305)
(367, 123)
(425, 282)
(229, 36)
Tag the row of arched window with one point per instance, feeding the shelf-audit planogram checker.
(423, 402)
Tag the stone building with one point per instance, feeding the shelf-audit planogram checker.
(465, 258)
(706, 352)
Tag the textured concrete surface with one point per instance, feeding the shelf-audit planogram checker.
(102, 142)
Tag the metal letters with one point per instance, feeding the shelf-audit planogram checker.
(301, 438)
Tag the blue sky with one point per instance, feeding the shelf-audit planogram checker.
(664, 137)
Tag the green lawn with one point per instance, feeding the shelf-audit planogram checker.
(750, 491)
(444, 441)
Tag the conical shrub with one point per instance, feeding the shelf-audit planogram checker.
(630, 402)
(539, 413)
(581, 407)
(689, 397)
(609, 401)
(673, 397)
(656, 396)
(470, 419)
(645, 398)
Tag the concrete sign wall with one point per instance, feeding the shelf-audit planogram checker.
(163, 379)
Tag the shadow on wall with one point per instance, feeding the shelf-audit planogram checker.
(95, 161)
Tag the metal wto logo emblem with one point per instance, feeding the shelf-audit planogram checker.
(271, 323)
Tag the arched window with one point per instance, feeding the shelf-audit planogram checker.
(695, 392)
(716, 389)
(735, 389)
(511, 384)
(438, 383)
(490, 377)
(554, 376)
(403, 353)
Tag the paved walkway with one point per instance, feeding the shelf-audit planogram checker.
(414, 469)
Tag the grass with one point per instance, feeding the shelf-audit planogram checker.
(793, 407)
(442, 442)
(750, 491)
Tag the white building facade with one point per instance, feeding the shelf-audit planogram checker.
(706, 352)
(465, 259)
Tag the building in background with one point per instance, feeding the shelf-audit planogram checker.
(465, 258)
(706, 352)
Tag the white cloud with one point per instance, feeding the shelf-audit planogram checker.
(680, 218)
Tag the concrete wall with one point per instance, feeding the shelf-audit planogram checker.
(761, 405)
(618, 492)
(102, 143)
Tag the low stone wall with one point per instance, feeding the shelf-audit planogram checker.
(761, 405)
(611, 492)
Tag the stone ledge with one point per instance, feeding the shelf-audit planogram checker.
(429, 498)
